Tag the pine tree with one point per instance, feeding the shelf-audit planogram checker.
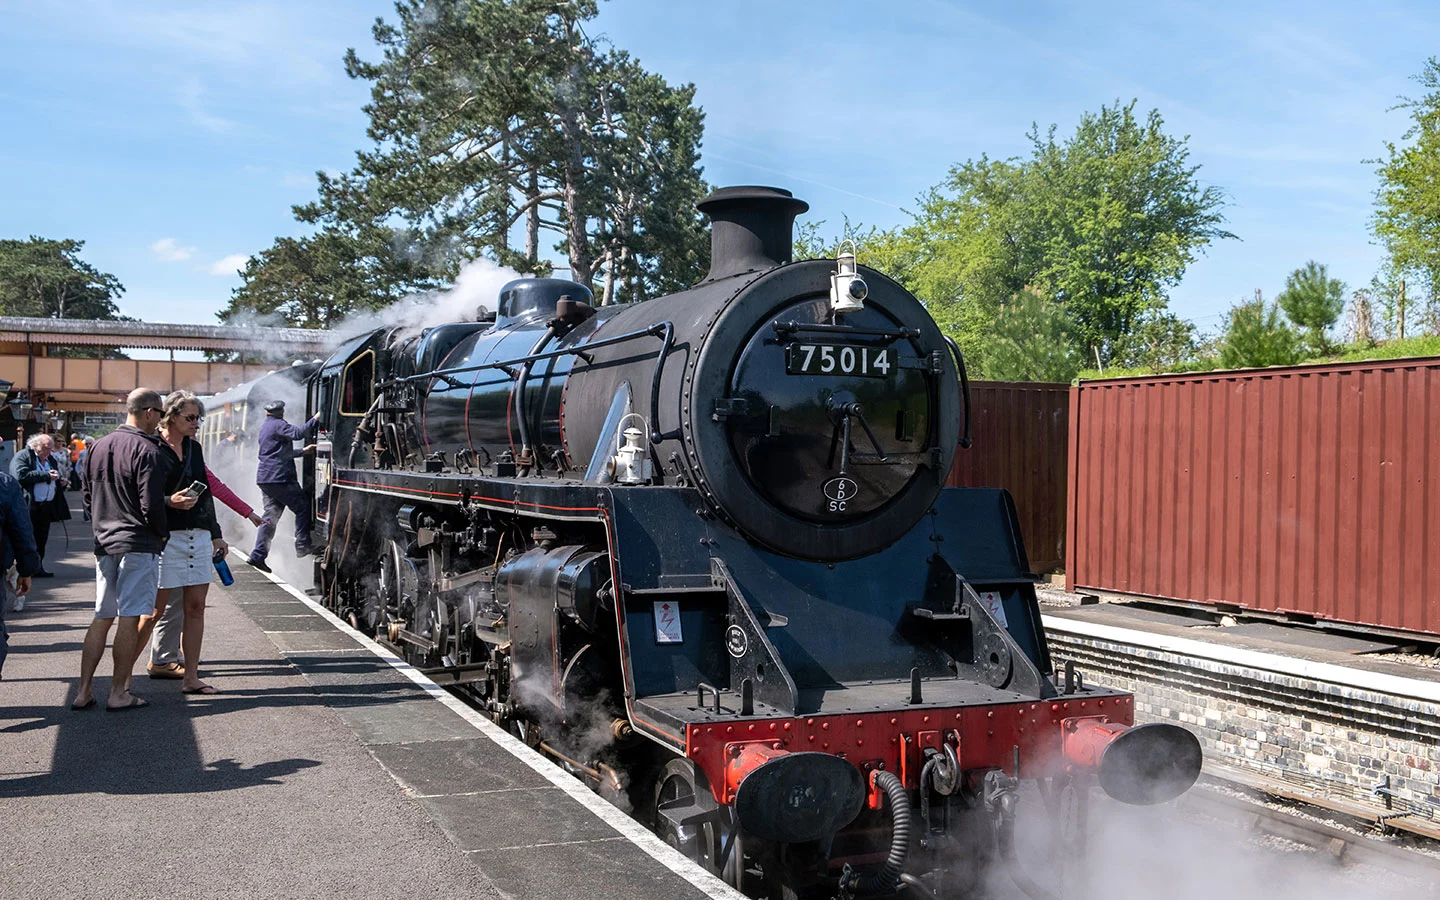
(492, 117)
(1313, 301)
(1256, 335)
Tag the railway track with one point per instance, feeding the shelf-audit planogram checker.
(1346, 845)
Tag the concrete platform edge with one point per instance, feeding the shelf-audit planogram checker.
(1378, 682)
(633, 831)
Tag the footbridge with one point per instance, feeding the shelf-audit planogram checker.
(43, 385)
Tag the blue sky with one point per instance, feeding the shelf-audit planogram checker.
(173, 137)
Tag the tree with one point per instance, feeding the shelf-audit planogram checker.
(1360, 323)
(1313, 301)
(1033, 339)
(47, 278)
(1407, 203)
(1103, 223)
(1161, 342)
(1256, 335)
(315, 282)
(492, 117)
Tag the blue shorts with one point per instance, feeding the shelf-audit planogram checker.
(126, 584)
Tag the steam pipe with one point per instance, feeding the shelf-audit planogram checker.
(366, 427)
(888, 877)
(526, 454)
(916, 885)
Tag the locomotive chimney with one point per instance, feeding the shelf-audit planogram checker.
(751, 228)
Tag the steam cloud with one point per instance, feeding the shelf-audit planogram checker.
(477, 287)
(1168, 851)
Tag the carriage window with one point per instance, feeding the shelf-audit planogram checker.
(357, 385)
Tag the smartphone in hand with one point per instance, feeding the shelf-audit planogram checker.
(196, 488)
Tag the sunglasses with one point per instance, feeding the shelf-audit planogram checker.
(155, 409)
(192, 417)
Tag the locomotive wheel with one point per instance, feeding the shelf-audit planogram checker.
(677, 786)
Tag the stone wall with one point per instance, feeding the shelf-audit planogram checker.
(1325, 737)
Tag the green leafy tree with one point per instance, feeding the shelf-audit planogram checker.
(1103, 222)
(1033, 339)
(1313, 301)
(315, 282)
(888, 252)
(500, 117)
(47, 278)
(1257, 335)
(1407, 203)
(1160, 342)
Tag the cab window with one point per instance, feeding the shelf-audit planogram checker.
(357, 385)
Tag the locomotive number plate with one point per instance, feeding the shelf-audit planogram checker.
(839, 359)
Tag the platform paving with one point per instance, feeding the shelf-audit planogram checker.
(320, 770)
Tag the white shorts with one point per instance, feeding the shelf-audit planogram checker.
(187, 559)
(125, 584)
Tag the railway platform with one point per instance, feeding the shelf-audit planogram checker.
(324, 768)
(1346, 721)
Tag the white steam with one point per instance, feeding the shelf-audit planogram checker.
(476, 290)
(1171, 851)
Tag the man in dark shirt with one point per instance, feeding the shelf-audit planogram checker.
(275, 476)
(124, 490)
(17, 545)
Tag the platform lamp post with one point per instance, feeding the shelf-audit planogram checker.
(6, 385)
(20, 407)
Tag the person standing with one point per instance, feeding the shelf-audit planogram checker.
(275, 476)
(17, 545)
(125, 477)
(38, 472)
(80, 469)
(194, 543)
(165, 648)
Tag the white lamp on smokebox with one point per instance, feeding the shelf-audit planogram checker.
(847, 289)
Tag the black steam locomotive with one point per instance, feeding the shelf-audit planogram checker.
(698, 550)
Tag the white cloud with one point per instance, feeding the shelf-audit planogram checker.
(169, 250)
(229, 265)
(191, 98)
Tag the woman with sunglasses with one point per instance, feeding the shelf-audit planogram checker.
(165, 659)
(194, 535)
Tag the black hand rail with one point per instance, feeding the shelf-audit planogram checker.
(785, 329)
(657, 330)
(666, 340)
(964, 387)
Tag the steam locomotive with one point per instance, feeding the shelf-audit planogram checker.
(699, 550)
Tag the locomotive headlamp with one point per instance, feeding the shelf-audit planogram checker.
(631, 464)
(847, 289)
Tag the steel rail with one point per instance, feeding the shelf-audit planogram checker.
(1343, 845)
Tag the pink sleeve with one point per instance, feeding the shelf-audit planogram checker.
(227, 496)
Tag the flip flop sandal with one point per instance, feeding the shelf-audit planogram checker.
(169, 670)
(206, 689)
(135, 703)
(86, 705)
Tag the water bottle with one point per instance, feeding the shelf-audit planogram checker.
(222, 568)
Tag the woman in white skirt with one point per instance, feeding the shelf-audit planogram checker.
(195, 538)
